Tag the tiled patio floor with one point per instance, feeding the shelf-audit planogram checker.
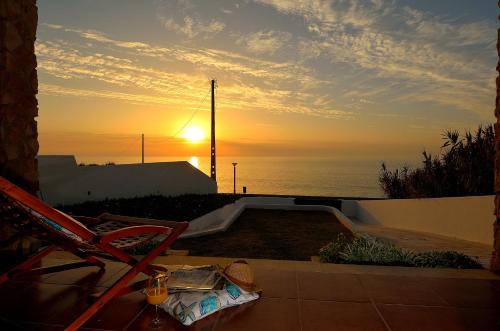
(297, 296)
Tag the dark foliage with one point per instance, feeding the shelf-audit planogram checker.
(446, 259)
(464, 167)
(95, 164)
(181, 208)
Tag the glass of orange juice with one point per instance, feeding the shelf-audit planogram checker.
(156, 294)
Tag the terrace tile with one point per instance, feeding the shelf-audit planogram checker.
(402, 290)
(40, 302)
(266, 313)
(277, 283)
(109, 281)
(274, 314)
(328, 315)
(46, 262)
(143, 321)
(87, 276)
(334, 287)
(408, 318)
(115, 315)
(345, 297)
(476, 293)
(12, 289)
(118, 313)
(11, 325)
(41, 327)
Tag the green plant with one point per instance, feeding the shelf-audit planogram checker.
(446, 259)
(368, 250)
(464, 166)
(331, 251)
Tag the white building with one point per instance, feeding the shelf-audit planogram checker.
(62, 181)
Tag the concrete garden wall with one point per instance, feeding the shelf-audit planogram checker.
(468, 218)
(221, 219)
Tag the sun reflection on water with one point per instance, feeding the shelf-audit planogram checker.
(195, 162)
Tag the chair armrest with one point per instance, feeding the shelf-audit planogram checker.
(133, 231)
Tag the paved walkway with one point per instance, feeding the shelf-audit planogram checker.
(421, 241)
(297, 296)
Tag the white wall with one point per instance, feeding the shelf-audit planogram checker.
(468, 218)
(63, 182)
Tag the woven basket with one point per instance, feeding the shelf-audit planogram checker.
(240, 273)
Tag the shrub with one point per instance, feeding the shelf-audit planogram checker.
(446, 259)
(369, 250)
(180, 208)
(331, 251)
(464, 167)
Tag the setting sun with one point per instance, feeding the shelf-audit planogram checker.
(193, 134)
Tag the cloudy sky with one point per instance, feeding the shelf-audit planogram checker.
(337, 77)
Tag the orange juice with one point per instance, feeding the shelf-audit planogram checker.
(156, 296)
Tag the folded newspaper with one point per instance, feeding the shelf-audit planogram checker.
(199, 278)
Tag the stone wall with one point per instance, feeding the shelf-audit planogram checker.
(18, 106)
(495, 259)
(18, 88)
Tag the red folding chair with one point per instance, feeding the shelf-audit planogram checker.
(104, 238)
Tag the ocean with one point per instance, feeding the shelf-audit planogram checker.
(310, 176)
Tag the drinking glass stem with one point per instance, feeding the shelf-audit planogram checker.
(156, 321)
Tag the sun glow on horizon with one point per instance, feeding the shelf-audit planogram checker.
(193, 134)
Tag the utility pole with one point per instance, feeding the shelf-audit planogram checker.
(212, 145)
(234, 177)
(142, 149)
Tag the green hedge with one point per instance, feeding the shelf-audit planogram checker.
(180, 208)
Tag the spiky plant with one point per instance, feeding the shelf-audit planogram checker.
(463, 167)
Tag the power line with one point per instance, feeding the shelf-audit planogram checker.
(192, 116)
(128, 146)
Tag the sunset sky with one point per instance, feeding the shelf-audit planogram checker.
(304, 77)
